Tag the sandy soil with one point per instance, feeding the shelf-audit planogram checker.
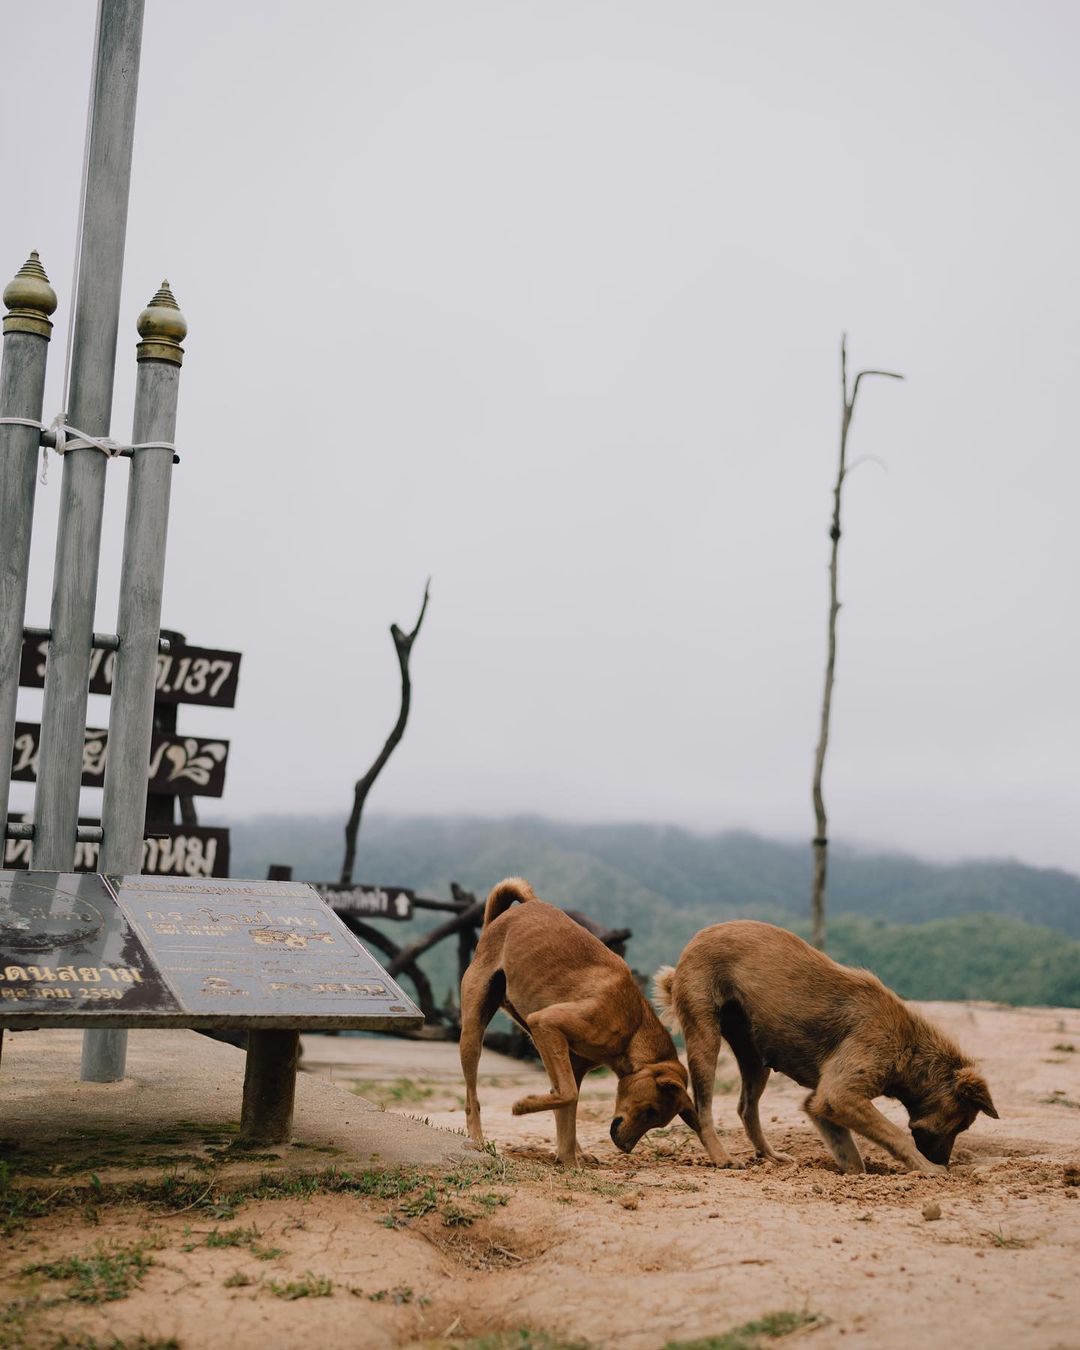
(636, 1252)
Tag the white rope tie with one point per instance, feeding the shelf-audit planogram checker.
(71, 438)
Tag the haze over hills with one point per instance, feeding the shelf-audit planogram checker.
(982, 929)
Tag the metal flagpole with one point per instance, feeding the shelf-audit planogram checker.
(30, 300)
(93, 359)
(142, 576)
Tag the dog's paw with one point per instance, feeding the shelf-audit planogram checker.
(781, 1159)
(583, 1159)
(930, 1169)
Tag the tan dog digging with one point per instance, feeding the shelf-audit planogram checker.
(781, 1004)
(579, 1003)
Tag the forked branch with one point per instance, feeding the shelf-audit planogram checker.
(820, 843)
(403, 644)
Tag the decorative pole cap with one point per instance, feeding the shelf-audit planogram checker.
(162, 328)
(29, 299)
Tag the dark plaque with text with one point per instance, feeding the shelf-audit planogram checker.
(65, 948)
(263, 948)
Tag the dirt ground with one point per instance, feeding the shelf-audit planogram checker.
(640, 1251)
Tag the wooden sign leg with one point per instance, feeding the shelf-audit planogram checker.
(270, 1086)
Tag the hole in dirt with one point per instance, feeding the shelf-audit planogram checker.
(491, 1246)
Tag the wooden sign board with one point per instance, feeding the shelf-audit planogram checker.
(185, 675)
(376, 902)
(186, 851)
(88, 950)
(180, 766)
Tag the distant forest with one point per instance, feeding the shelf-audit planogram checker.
(1000, 931)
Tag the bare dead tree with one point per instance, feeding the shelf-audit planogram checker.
(820, 843)
(403, 644)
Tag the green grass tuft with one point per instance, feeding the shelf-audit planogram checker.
(102, 1275)
(308, 1286)
(751, 1335)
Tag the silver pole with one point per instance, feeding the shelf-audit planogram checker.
(82, 492)
(142, 576)
(30, 300)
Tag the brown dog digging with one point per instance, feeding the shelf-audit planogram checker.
(579, 1003)
(781, 1004)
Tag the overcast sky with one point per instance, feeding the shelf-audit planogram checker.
(545, 300)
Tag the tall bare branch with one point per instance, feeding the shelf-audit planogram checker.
(820, 843)
(403, 644)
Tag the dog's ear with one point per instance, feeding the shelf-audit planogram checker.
(971, 1088)
(668, 1081)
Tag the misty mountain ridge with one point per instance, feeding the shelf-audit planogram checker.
(1002, 931)
(735, 873)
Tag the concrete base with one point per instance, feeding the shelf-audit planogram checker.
(180, 1102)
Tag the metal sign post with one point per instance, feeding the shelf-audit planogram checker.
(30, 300)
(82, 493)
(142, 577)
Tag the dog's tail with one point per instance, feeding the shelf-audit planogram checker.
(663, 998)
(514, 890)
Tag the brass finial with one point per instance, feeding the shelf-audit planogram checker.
(162, 328)
(29, 299)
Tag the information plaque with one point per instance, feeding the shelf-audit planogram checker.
(88, 950)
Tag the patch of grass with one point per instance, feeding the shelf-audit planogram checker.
(308, 1286)
(175, 1192)
(398, 1092)
(421, 1204)
(102, 1275)
(453, 1216)
(238, 1280)
(491, 1200)
(1058, 1098)
(114, 1343)
(266, 1253)
(231, 1237)
(522, 1339)
(1065, 1048)
(399, 1296)
(1006, 1240)
(751, 1335)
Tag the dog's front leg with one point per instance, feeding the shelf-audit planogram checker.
(840, 1144)
(838, 1107)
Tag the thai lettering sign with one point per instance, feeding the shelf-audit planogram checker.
(181, 766)
(185, 675)
(379, 902)
(183, 851)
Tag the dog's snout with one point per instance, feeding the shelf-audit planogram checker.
(615, 1125)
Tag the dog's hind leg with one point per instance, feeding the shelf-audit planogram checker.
(702, 1051)
(755, 1074)
(481, 993)
(841, 1145)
